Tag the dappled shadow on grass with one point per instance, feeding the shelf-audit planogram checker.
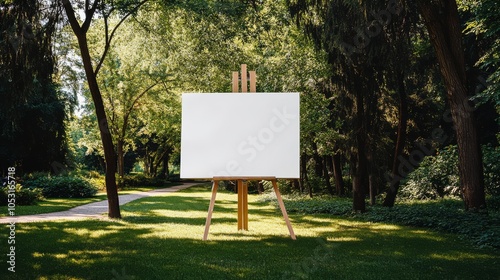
(160, 238)
(93, 249)
(173, 209)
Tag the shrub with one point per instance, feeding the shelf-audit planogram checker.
(24, 196)
(491, 162)
(138, 180)
(61, 186)
(446, 215)
(437, 176)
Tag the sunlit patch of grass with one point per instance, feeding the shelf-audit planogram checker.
(86, 233)
(461, 256)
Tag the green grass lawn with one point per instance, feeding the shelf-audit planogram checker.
(49, 205)
(161, 238)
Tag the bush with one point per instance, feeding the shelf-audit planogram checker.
(24, 196)
(140, 180)
(319, 205)
(491, 162)
(61, 186)
(437, 176)
(445, 215)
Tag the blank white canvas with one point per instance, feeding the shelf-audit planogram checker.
(240, 134)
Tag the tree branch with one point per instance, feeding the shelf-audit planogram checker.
(129, 110)
(70, 13)
(110, 37)
(89, 14)
(142, 93)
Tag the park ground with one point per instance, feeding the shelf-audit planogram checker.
(161, 238)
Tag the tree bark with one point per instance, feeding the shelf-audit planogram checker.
(442, 22)
(107, 141)
(337, 173)
(360, 170)
(395, 179)
(121, 158)
(165, 173)
(303, 172)
(326, 175)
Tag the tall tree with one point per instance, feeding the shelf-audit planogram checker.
(356, 36)
(106, 10)
(443, 24)
(32, 107)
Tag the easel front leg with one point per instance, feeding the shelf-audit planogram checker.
(210, 209)
(283, 210)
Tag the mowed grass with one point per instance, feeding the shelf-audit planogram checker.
(161, 238)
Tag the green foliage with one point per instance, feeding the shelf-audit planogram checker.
(442, 215)
(445, 216)
(138, 180)
(24, 196)
(324, 205)
(95, 178)
(32, 106)
(486, 26)
(437, 176)
(67, 186)
(491, 160)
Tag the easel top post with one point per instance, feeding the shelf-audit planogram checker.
(245, 76)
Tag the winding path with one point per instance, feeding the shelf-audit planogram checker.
(95, 210)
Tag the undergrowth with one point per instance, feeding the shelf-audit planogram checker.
(445, 215)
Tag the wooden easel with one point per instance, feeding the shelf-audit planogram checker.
(242, 181)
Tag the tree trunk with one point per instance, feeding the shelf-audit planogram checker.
(152, 167)
(296, 185)
(318, 161)
(360, 171)
(442, 21)
(165, 173)
(337, 172)
(326, 175)
(395, 179)
(373, 189)
(304, 177)
(120, 155)
(303, 172)
(107, 141)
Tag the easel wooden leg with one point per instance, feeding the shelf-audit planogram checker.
(283, 210)
(242, 205)
(245, 205)
(210, 209)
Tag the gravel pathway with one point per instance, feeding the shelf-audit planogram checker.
(94, 210)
